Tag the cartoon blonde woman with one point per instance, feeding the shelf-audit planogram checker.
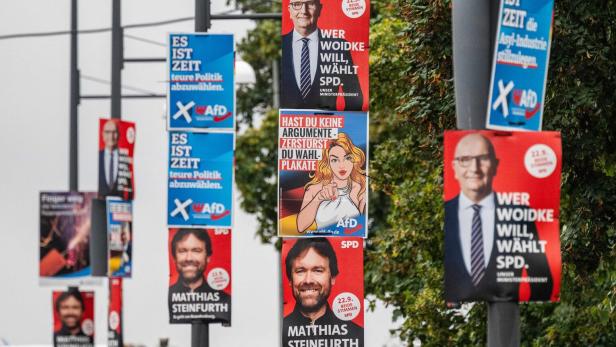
(337, 188)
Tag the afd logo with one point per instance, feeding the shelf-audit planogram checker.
(214, 210)
(216, 112)
(526, 101)
(349, 225)
(516, 102)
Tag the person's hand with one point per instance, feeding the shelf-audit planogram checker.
(328, 192)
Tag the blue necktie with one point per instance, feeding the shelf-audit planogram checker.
(477, 261)
(304, 75)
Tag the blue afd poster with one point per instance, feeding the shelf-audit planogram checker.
(520, 65)
(200, 183)
(201, 91)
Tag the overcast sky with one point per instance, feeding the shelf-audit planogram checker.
(34, 117)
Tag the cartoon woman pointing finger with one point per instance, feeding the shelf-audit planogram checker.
(338, 186)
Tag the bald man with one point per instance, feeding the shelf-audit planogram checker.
(470, 232)
(108, 159)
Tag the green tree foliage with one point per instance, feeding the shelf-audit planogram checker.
(411, 105)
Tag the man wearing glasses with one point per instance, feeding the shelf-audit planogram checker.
(304, 83)
(470, 232)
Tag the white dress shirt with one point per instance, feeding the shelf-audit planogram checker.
(313, 48)
(115, 166)
(465, 218)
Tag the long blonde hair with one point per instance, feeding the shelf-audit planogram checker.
(324, 172)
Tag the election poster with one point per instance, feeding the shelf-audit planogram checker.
(201, 93)
(325, 50)
(114, 320)
(323, 292)
(520, 65)
(199, 276)
(200, 184)
(73, 318)
(119, 237)
(502, 195)
(115, 158)
(64, 236)
(322, 173)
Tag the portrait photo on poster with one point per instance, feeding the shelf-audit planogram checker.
(322, 173)
(323, 291)
(115, 158)
(64, 234)
(325, 50)
(73, 318)
(502, 196)
(199, 275)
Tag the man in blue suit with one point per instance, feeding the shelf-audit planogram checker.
(470, 233)
(302, 51)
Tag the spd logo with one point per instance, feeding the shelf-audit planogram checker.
(212, 210)
(217, 113)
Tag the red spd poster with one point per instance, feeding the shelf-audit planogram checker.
(325, 54)
(114, 322)
(323, 291)
(73, 318)
(115, 158)
(502, 195)
(199, 275)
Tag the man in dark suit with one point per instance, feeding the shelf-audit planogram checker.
(472, 262)
(303, 50)
(108, 159)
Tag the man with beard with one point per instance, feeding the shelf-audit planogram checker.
(191, 298)
(70, 308)
(311, 267)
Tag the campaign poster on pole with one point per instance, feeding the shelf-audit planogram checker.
(199, 275)
(502, 196)
(200, 184)
(119, 237)
(201, 94)
(325, 49)
(520, 65)
(323, 291)
(73, 318)
(114, 322)
(64, 234)
(115, 158)
(322, 173)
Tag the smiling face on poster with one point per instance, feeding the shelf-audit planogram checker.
(325, 54)
(323, 291)
(502, 194)
(73, 318)
(199, 275)
(322, 165)
(115, 158)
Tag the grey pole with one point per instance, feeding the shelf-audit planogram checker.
(73, 182)
(116, 60)
(275, 84)
(200, 331)
(474, 33)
